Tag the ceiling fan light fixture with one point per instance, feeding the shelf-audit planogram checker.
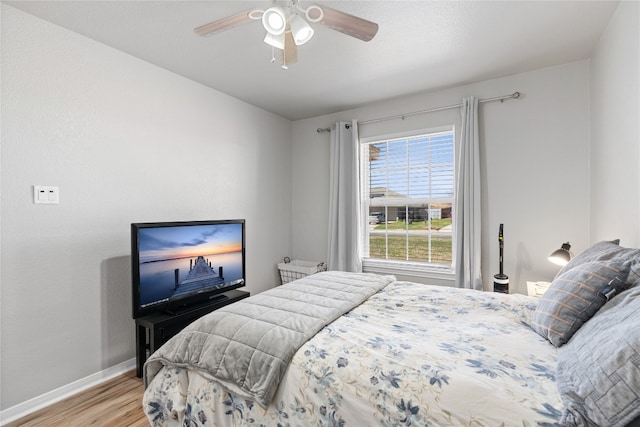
(276, 41)
(301, 30)
(288, 27)
(274, 20)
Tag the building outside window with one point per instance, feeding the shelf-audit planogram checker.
(408, 183)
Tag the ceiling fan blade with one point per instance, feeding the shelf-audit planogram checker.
(348, 24)
(223, 24)
(290, 51)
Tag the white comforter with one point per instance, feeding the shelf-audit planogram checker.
(247, 346)
(410, 355)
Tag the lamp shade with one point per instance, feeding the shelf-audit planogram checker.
(561, 256)
(274, 20)
(276, 41)
(302, 32)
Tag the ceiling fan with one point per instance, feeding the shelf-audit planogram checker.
(288, 26)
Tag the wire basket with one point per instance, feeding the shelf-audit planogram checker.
(298, 268)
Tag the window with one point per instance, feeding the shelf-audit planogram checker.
(409, 189)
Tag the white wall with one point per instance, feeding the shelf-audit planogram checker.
(126, 142)
(534, 159)
(615, 129)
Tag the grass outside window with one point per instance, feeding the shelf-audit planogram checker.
(411, 245)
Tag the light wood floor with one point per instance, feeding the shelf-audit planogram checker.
(115, 403)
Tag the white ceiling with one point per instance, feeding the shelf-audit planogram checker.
(420, 46)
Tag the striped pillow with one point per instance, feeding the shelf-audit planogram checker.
(599, 369)
(574, 297)
(601, 251)
(609, 251)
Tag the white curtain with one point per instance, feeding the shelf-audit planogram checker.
(468, 274)
(344, 252)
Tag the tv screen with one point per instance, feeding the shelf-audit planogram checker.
(179, 265)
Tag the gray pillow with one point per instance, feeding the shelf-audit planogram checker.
(601, 251)
(609, 251)
(599, 368)
(574, 297)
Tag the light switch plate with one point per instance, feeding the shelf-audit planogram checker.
(46, 194)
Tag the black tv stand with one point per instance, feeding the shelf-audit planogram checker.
(155, 329)
(179, 310)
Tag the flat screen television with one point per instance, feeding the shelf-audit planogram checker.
(177, 266)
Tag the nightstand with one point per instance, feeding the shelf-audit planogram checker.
(537, 289)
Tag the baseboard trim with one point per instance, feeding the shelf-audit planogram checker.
(25, 408)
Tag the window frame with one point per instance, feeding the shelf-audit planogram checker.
(403, 267)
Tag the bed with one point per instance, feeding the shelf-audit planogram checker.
(391, 353)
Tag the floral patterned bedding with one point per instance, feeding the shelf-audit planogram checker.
(411, 355)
